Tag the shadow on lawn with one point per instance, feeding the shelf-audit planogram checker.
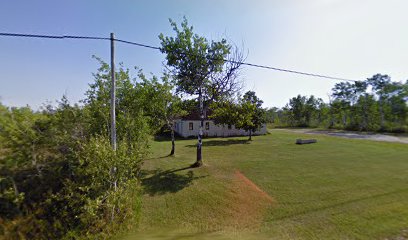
(221, 142)
(168, 181)
(166, 156)
(167, 138)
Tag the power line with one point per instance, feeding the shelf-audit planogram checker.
(137, 44)
(158, 48)
(295, 72)
(51, 36)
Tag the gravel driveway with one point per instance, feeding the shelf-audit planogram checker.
(355, 135)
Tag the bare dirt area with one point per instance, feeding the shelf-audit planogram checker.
(354, 135)
(251, 184)
(247, 204)
(402, 236)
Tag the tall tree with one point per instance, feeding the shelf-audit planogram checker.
(379, 85)
(200, 69)
(343, 95)
(366, 113)
(396, 104)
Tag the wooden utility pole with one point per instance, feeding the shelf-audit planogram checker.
(113, 93)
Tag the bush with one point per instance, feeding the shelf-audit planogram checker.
(109, 179)
(58, 181)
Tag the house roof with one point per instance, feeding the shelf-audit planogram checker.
(195, 115)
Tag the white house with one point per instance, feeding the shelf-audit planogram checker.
(190, 127)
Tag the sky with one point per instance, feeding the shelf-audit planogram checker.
(344, 38)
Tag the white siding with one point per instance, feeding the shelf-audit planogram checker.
(182, 128)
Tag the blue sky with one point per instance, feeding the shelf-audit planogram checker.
(345, 38)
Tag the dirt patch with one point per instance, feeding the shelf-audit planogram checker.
(402, 236)
(254, 186)
(248, 205)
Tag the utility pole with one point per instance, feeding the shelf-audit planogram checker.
(113, 93)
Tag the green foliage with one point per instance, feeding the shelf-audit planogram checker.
(252, 115)
(37, 160)
(109, 182)
(248, 114)
(201, 68)
(129, 104)
(193, 58)
(105, 168)
(225, 112)
(60, 178)
(160, 103)
(301, 111)
(376, 104)
(144, 105)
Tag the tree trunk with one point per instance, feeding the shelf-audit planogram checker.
(381, 113)
(34, 161)
(16, 192)
(173, 145)
(199, 161)
(344, 119)
(365, 117)
(250, 135)
(331, 124)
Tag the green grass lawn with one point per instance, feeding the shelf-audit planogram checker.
(336, 189)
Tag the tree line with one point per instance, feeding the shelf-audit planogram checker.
(375, 104)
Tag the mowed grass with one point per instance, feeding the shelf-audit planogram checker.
(336, 189)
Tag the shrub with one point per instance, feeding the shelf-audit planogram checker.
(59, 181)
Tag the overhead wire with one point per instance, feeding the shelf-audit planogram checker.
(158, 48)
(51, 36)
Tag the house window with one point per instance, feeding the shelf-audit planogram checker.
(229, 126)
(207, 126)
(190, 126)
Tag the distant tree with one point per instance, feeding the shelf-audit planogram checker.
(366, 113)
(376, 104)
(359, 95)
(396, 99)
(271, 114)
(200, 69)
(247, 114)
(342, 94)
(379, 85)
(303, 110)
(251, 107)
(225, 113)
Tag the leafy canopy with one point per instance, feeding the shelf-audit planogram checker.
(193, 58)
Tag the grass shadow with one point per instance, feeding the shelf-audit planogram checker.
(165, 156)
(167, 137)
(221, 142)
(169, 181)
